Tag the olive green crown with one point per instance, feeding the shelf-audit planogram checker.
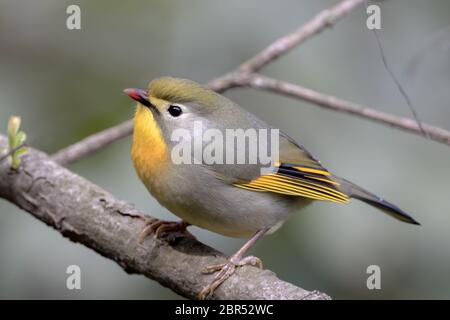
(182, 90)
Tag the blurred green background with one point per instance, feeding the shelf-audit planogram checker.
(68, 84)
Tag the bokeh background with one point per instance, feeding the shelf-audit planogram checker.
(68, 84)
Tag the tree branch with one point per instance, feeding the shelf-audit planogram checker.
(93, 143)
(261, 82)
(87, 214)
(326, 18)
(321, 21)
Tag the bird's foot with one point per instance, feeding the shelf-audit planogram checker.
(225, 271)
(159, 227)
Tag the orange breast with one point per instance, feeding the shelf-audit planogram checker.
(149, 150)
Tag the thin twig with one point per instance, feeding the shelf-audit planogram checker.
(332, 103)
(397, 81)
(326, 18)
(321, 21)
(93, 143)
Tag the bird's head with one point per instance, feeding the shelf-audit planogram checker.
(175, 103)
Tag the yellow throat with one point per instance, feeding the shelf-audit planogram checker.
(149, 150)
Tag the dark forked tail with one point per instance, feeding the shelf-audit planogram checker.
(359, 193)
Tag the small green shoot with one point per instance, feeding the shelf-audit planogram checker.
(16, 141)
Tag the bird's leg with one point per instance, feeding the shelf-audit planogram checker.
(227, 269)
(158, 227)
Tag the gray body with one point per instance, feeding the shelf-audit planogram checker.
(204, 195)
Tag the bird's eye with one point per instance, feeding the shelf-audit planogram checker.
(175, 111)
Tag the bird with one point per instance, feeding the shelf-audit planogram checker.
(242, 200)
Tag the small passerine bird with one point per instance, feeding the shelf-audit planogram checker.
(232, 199)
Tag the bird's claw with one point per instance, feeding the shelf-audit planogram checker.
(225, 271)
(158, 227)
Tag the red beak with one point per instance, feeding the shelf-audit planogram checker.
(139, 95)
